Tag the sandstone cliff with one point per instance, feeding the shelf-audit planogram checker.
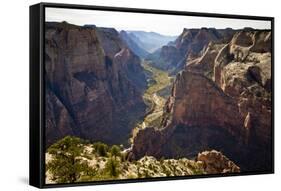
(94, 84)
(189, 45)
(222, 101)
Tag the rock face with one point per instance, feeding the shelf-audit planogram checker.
(198, 114)
(215, 162)
(205, 63)
(189, 45)
(194, 112)
(94, 84)
(222, 101)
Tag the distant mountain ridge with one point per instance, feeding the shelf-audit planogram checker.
(150, 41)
(133, 44)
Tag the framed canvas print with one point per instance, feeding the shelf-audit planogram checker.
(128, 95)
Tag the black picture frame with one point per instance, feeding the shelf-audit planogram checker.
(37, 91)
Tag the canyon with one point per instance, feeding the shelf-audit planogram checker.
(220, 100)
(208, 89)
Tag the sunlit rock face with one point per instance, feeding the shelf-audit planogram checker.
(221, 100)
(94, 84)
(190, 44)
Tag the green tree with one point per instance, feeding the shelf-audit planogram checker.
(101, 149)
(112, 167)
(115, 151)
(66, 165)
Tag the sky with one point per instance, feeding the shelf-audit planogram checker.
(164, 24)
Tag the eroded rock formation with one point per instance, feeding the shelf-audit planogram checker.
(189, 45)
(222, 101)
(94, 84)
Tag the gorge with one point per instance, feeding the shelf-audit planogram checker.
(208, 89)
(221, 100)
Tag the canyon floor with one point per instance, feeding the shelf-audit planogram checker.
(155, 97)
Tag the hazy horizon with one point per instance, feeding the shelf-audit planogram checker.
(170, 25)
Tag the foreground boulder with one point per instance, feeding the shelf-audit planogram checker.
(215, 162)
